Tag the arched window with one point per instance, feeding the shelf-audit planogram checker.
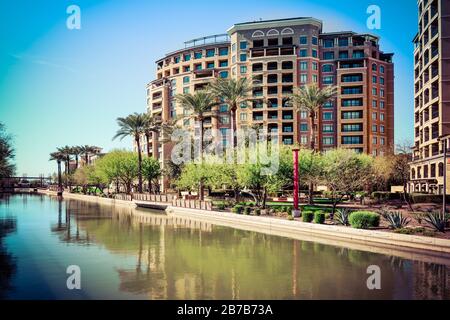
(257, 33)
(273, 32)
(287, 31)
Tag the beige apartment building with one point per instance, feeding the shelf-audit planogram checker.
(431, 96)
(278, 56)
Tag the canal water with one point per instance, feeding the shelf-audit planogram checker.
(126, 253)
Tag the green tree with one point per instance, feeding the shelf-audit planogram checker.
(151, 129)
(234, 92)
(86, 150)
(310, 169)
(344, 172)
(133, 126)
(151, 170)
(119, 167)
(198, 104)
(7, 167)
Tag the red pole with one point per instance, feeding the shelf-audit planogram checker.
(295, 178)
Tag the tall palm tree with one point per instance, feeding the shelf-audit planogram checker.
(86, 151)
(58, 157)
(311, 98)
(234, 93)
(66, 151)
(151, 130)
(134, 126)
(76, 152)
(198, 103)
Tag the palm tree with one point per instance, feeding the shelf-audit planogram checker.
(234, 93)
(87, 150)
(311, 98)
(58, 157)
(76, 152)
(133, 125)
(151, 129)
(66, 151)
(198, 103)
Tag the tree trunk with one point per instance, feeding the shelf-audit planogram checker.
(202, 186)
(312, 131)
(76, 161)
(150, 185)
(147, 137)
(59, 177)
(138, 144)
(233, 126)
(86, 158)
(264, 200)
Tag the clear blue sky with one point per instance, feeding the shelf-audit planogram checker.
(61, 86)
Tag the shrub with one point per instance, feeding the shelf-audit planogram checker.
(396, 219)
(384, 196)
(289, 210)
(341, 216)
(319, 217)
(410, 230)
(246, 211)
(290, 218)
(364, 219)
(221, 206)
(258, 212)
(427, 198)
(307, 216)
(436, 221)
(237, 209)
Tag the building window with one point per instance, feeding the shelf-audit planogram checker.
(352, 140)
(303, 65)
(210, 53)
(374, 79)
(223, 51)
(303, 40)
(328, 43)
(223, 63)
(198, 55)
(374, 91)
(374, 103)
(243, 116)
(243, 69)
(328, 141)
(303, 139)
(374, 140)
(382, 129)
(243, 45)
(343, 42)
(374, 67)
(374, 116)
(314, 41)
(224, 119)
(233, 47)
(186, 68)
(374, 128)
(381, 69)
(328, 105)
(327, 128)
(343, 54)
(303, 114)
(303, 78)
(382, 141)
(223, 74)
(243, 57)
(233, 59)
(185, 79)
(186, 90)
(315, 78)
(381, 116)
(314, 53)
(381, 104)
(210, 65)
(177, 59)
(187, 57)
(382, 81)
(303, 53)
(303, 127)
(382, 93)
(328, 80)
(327, 68)
(315, 66)
(327, 116)
(328, 55)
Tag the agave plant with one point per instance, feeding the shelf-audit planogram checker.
(396, 219)
(341, 216)
(436, 220)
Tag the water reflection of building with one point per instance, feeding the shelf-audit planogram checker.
(431, 280)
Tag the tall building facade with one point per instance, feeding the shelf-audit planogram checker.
(278, 56)
(431, 96)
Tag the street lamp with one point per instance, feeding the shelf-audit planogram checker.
(444, 139)
(296, 211)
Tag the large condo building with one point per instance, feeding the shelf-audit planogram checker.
(278, 56)
(432, 95)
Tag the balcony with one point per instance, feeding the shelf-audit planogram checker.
(272, 51)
